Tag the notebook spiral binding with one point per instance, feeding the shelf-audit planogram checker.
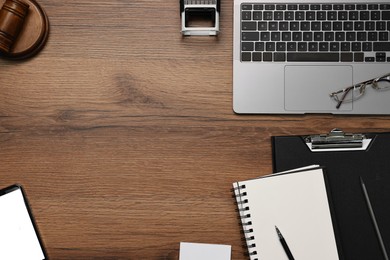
(246, 223)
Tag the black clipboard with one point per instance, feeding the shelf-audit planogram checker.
(347, 157)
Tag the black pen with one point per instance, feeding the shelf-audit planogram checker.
(372, 215)
(284, 244)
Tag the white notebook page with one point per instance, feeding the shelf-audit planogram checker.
(297, 204)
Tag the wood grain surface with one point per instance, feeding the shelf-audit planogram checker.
(123, 135)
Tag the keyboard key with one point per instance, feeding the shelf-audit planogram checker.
(299, 16)
(305, 26)
(345, 46)
(258, 7)
(384, 6)
(342, 15)
(315, 26)
(318, 36)
(321, 15)
(297, 36)
(346, 56)
(332, 15)
(350, 36)
(334, 46)
(367, 46)
(375, 15)
(380, 26)
(326, 7)
(265, 36)
(353, 15)
(279, 56)
(386, 15)
(308, 36)
(380, 57)
(246, 15)
(329, 36)
(286, 36)
(361, 36)
(283, 26)
(268, 15)
(256, 56)
(383, 36)
(360, 7)
(381, 46)
(315, 7)
(259, 46)
(275, 36)
(313, 46)
(356, 46)
(358, 56)
(359, 26)
(364, 15)
(373, 7)
(246, 7)
(326, 26)
(304, 7)
(340, 36)
(302, 46)
(372, 36)
(246, 56)
(351, 7)
(249, 26)
(278, 16)
(289, 16)
(267, 56)
(314, 56)
(280, 46)
(338, 7)
(281, 7)
(263, 26)
(273, 26)
(348, 26)
(269, 7)
(292, 7)
(270, 46)
(291, 46)
(323, 46)
(337, 26)
(310, 16)
(250, 36)
(257, 15)
(247, 46)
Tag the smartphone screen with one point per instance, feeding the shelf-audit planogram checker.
(19, 239)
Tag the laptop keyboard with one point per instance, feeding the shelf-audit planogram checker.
(315, 32)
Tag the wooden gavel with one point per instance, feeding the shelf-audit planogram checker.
(12, 16)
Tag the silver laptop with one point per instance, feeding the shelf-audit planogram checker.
(311, 57)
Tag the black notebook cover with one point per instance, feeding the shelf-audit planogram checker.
(358, 238)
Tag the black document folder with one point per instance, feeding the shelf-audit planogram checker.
(345, 165)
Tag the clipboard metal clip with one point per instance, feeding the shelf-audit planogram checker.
(336, 139)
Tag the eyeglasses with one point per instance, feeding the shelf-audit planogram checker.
(356, 91)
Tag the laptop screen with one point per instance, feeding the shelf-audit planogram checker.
(18, 237)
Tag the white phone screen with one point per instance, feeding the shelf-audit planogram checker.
(18, 239)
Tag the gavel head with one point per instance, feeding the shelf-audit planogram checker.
(12, 16)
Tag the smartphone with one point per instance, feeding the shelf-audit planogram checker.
(19, 237)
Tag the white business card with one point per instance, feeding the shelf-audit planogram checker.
(199, 251)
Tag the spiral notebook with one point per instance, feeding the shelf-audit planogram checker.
(298, 203)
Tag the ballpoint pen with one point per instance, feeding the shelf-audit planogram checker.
(378, 233)
(284, 244)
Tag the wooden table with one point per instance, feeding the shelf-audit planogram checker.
(123, 135)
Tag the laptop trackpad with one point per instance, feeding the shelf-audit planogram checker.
(307, 88)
